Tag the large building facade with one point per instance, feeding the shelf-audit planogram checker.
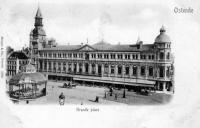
(132, 66)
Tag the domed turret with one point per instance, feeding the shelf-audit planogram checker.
(162, 37)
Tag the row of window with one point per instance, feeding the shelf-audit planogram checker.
(107, 56)
(11, 67)
(62, 55)
(143, 69)
(23, 62)
(12, 62)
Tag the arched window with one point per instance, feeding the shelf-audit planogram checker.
(112, 69)
(161, 55)
(168, 55)
(161, 69)
(143, 70)
(127, 70)
(150, 71)
(134, 70)
(119, 70)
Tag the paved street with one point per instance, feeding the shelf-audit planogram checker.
(86, 95)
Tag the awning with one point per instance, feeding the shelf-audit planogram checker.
(144, 84)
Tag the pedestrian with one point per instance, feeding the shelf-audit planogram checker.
(62, 99)
(115, 96)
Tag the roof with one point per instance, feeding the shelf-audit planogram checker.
(38, 14)
(162, 37)
(38, 31)
(64, 47)
(27, 78)
(101, 47)
(18, 55)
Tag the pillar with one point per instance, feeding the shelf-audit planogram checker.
(72, 67)
(96, 66)
(42, 66)
(61, 66)
(123, 70)
(146, 72)
(102, 69)
(83, 67)
(138, 71)
(90, 68)
(164, 87)
(130, 70)
(56, 66)
(52, 66)
(116, 70)
(77, 67)
(109, 70)
(67, 67)
(47, 66)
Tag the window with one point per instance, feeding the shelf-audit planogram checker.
(49, 65)
(161, 71)
(168, 72)
(127, 70)
(119, 56)
(161, 55)
(119, 70)
(99, 55)
(133, 56)
(126, 56)
(112, 56)
(106, 69)
(150, 71)
(106, 56)
(134, 70)
(143, 57)
(93, 68)
(149, 57)
(168, 55)
(152, 57)
(112, 69)
(142, 70)
(136, 56)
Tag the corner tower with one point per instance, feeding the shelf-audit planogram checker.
(37, 38)
(37, 35)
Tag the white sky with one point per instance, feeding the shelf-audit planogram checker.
(74, 22)
(121, 21)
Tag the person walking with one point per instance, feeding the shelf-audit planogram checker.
(62, 99)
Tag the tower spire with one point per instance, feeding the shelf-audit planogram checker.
(38, 17)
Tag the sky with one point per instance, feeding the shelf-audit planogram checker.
(74, 22)
(114, 21)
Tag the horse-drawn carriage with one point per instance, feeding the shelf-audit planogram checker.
(69, 85)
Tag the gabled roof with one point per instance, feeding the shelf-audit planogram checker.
(87, 48)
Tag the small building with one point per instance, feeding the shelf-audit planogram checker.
(27, 84)
(15, 61)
